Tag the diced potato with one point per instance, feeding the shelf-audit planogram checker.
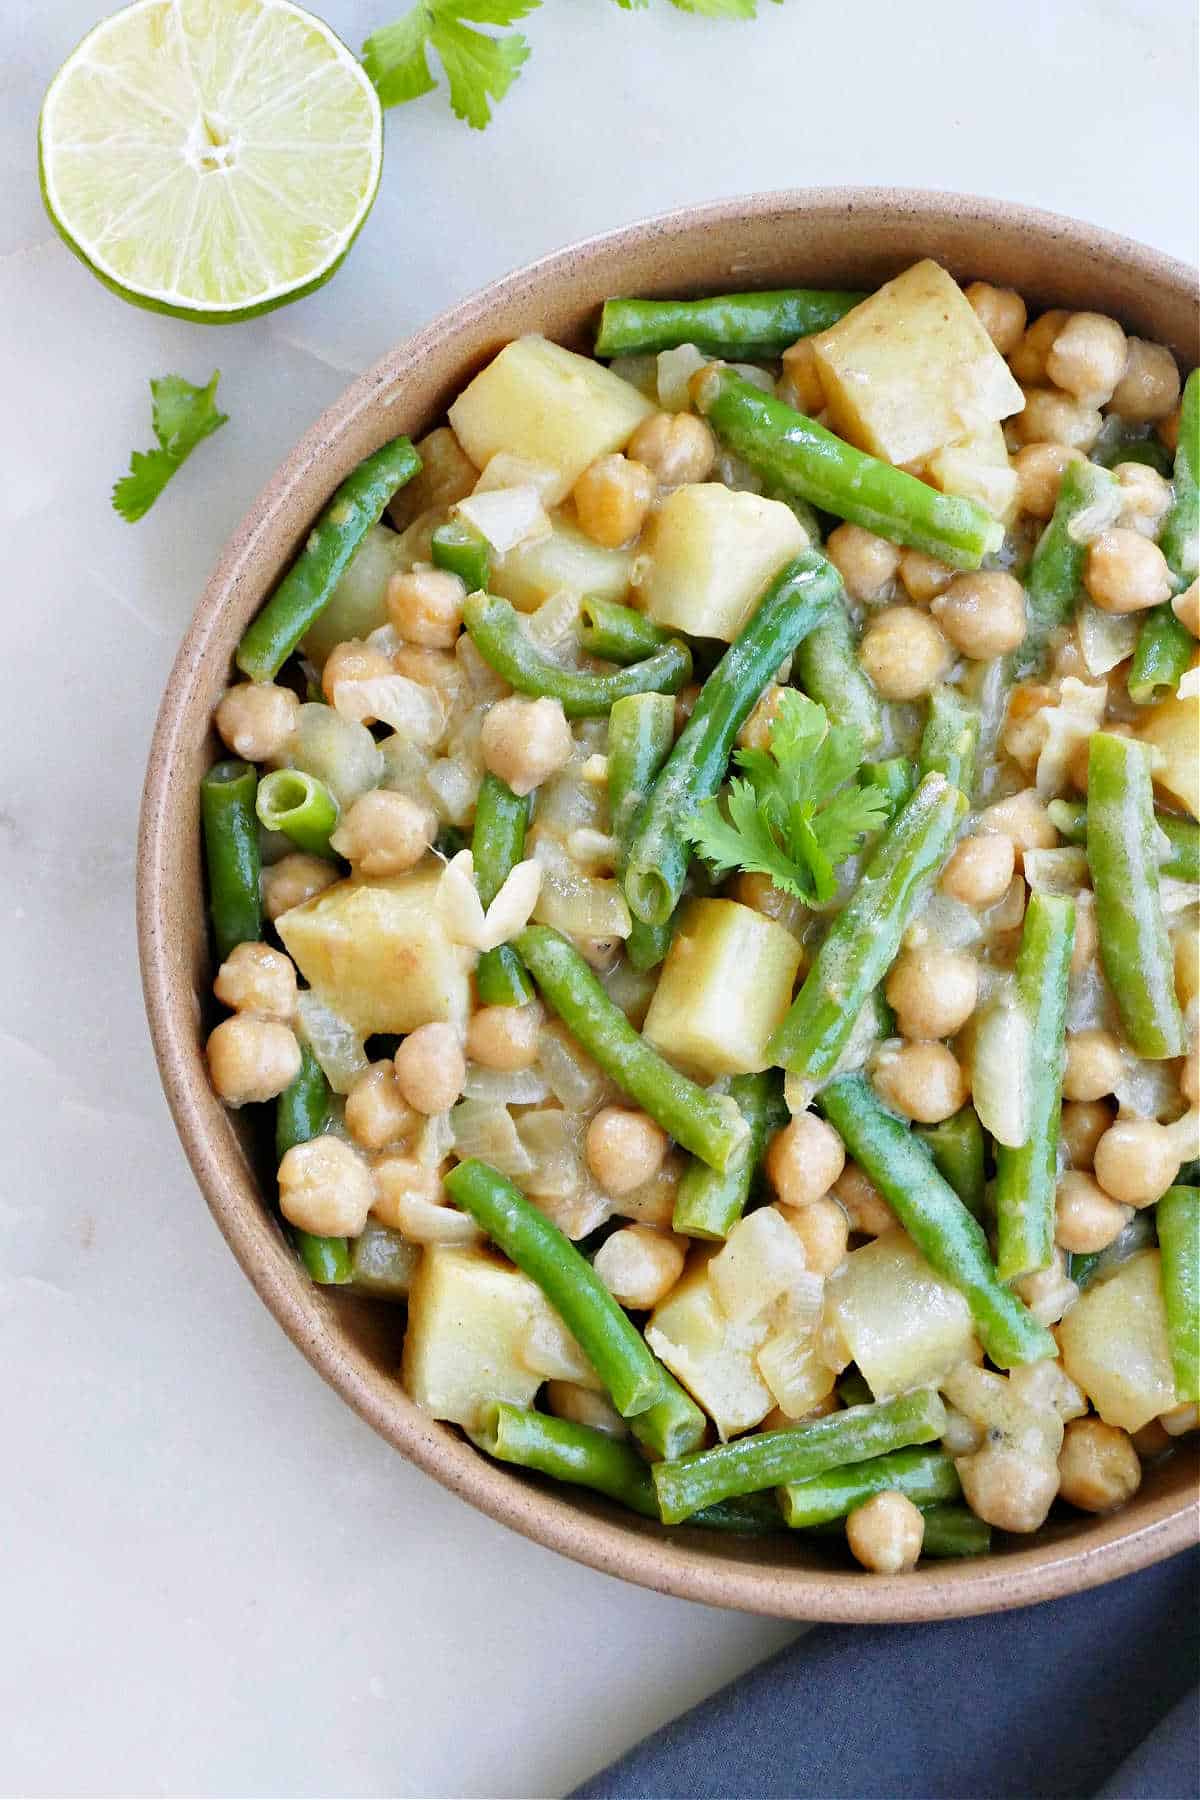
(1173, 727)
(549, 405)
(551, 1351)
(709, 554)
(1114, 1344)
(911, 368)
(377, 954)
(760, 1258)
(566, 559)
(712, 1357)
(791, 1367)
(447, 474)
(977, 468)
(725, 987)
(468, 1322)
(358, 604)
(1010, 1413)
(903, 1325)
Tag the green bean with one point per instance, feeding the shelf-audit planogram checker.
(658, 856)
(641, 730)
(1179, 539)
(949, 1239)
(751, 1513)
(862, 943)
(955, 1531)
(957, 1148)
(828, 669)
(329, 548)
(497, 845)
(1026, 1175)
(708, 1205)
(291, 801)
(795, 453)
(1149, 451)
(618, 633)
(1161, 657)
(1053, 579)
(612, 1343)
(709, 1125)
(501, 640)
(922, 1476)
(460, 551)
(449, 841)
(1069, 818)
(231, 854)
(895, 775)
(1122, 855)
(301, 1113)
(1179, 1241)
(568, 1452)
(742, 325)
(772, 1459)
(950, 739)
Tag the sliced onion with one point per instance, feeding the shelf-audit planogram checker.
(553, 625)
(554, 1141)
(945, 923)
(508, 470)
(1078, 715)
(506, 516)
(1001, 1049)
(506, 1087)
(482, 680)
(485, 1130)
(550, 1350)
(405, 766)
(1091, 520)
(576, 1215)
(1189, 684)
(674, 372)
(513, 906)
(575, 1080)
(631, 989)
(455, 789)
(337, 751)
(573, 902)
(335, 1043)
(1062, 871)
(426, 1221)
(407, 706)
(1105, 639)
(434, 1140)
(1148, 1090)
(458, 902)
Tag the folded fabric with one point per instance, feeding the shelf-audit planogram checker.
(1091, 1696)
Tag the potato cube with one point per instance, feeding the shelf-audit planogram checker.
(712, 1357)
(468, 1323)
(377, 954)
(1173, 728)
(1114, 1344)
(710, 553)
(977, 467)
(566, 559)
(549, 405)
(358, 605)
(725, 987)
(760, 1258)
(903, 1325)
(447, 474)
(911, 368)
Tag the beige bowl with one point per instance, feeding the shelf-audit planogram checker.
(836, 237)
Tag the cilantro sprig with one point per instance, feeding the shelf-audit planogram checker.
(794, 816)
(183, 416)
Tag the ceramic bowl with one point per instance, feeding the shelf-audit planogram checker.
(849, 238)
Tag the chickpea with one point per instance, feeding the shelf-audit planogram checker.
(639, 1266)
(1167, 430)
(1087, 357)
(1049, 417)
(804, 1160)
(1040, 469)
(438, 669)
(325, 1188)
(1135, 1161)
(983, 614)
(1149, 387)
(255, 719)
(800, 368)
(1001, 312)
(426, 606)
(1007, 1489)
(352, 661)
(1027, 359)
(755, 734)
(1124, 572)
(431, 1068)
(1145, 498)
(524, 742)
(1023, 819)
(1098, 1466)
(675, 447)
(760, 893)
(932, 992)
(377, 1113)
(866, 563)
(1087, 934)
(624, 1149)
(567, 1400)
(294, 879)
(1094, 1065)
(923, 577)
(1186, 607)
(1084, 1123)
(866, 1210)
(685, 701)
(980, 870)
(256, 979)
(904, 653)
(385, 833)
(1151, 1440)
(1086, 1219)
(505, 1037)
(923, 1081)
(885, 1534)
(252, 1059)
(824, 1231)
(612, 498)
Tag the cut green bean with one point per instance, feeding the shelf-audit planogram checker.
(897, 778)
(864, 939)
(1054, 577)
(497, 845)
(949, 1239)
(568, 1452)
(1161, 657)
(950, 739)
(735, 325)
(922, 1476)
(955, 1531)
(1179, 539)
(329, 548)
(291, 801)
(795, 453)
(503, 643)
(1122, 850)
(1026, 1175)
(1179, 1240)
(460, 551)
(828, 669)
(708, 1205)
(957, 1148)
(709, 1125)
(1151, 452)
(641, 730)
(773, 1459)
(1069, 818)
(618, 633)
(792, 606)
(301, 1113)
(749, 1513)
(231, 854)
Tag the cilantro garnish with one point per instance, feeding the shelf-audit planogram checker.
(183, 415)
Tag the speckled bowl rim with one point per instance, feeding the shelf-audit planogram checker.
(574, 1523)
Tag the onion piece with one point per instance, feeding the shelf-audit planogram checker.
(333, 1041)
(506, 516)
(513, 906)
(508, 470)
(1105, 639)
(1062, 871)
(1001, 1050)
(1077, 717)
(576, 903)
(506, 1087)
(407, 706)
(576, 1082)
(337, 751)
(458, 902)
(674, 371)
(485, 1130)
(455, 789)
(551, 1351)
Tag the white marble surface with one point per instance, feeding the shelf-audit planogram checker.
(216, 1581)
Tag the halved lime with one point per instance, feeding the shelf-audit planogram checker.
(210, 158)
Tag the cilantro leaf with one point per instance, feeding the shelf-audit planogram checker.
(183, 415)
(744, 840)
(397, 61)
(480, 67)
(707, 9)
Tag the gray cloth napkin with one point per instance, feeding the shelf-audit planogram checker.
(1088, 1698)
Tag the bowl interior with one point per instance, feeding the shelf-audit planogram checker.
(836, 238)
